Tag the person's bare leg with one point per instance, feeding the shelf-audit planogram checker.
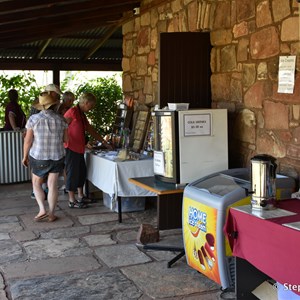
(39, 194)
(80, 192)
(65, 177)
(52, 193)
(71, 196)
(63, 187)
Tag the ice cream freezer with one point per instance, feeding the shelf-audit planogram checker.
(205, 205)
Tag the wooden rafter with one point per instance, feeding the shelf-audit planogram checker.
(42, 29)
(98, 45)
(43, 48)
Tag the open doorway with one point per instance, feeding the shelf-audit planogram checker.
(184, 69)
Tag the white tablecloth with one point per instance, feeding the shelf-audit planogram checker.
(112, 176)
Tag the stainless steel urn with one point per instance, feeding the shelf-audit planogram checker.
(263, 182)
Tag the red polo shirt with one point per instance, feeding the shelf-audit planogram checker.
(76, 129)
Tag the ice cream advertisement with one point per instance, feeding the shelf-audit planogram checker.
(199, 234)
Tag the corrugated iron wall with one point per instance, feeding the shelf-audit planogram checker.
(11, 153)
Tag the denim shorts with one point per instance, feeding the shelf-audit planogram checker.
(42, 168)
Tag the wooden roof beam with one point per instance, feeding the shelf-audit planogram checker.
(48, 64)
(61, 19)
(101, 14)
(66, 11)
(9, 7)
(99, 44)
(42, 49)
(46, 32)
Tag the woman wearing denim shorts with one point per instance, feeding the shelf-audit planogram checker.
(44, 152)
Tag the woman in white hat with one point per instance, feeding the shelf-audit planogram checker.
(53, 90)
(44, 152)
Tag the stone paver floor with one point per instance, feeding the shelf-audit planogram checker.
(86, 254)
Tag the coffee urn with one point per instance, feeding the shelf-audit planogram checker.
(263, 182)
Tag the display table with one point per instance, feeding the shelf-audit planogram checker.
(169, 201)
(266, 244)
(111, 176)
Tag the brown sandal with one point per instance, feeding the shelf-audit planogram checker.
(52, 218)
(40, 218)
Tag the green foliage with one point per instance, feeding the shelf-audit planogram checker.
(71, 79)
(27, 88)
(107, 92)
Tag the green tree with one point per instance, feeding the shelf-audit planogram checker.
(106, 89)
(27, 88)
(109, 95)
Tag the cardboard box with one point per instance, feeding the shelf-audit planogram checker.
(266, 291)
(129, 204)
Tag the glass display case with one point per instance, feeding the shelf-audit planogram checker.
(139, 130)
(189, 144)
(149, 138)
(122, 125)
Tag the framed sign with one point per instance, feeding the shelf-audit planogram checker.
(199, 124)
(139, 130)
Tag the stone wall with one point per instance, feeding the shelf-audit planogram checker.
(247, 37)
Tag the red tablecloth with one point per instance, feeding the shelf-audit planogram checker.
(271, 247)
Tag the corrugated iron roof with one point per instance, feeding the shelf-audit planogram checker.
(43, 33)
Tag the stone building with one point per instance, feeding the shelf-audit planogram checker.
(247, 39)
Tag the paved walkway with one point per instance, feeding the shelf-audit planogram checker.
(86, 254)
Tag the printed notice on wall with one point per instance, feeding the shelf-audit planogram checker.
(286, 74)
(197, 124)
(159, 163)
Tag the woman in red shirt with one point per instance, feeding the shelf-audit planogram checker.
(75, 147)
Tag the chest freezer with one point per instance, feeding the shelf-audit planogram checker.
(205, 206)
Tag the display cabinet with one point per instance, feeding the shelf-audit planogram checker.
(139, 129)
(149, 138)
(123, 121)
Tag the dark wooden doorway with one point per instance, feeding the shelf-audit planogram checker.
(184, 69)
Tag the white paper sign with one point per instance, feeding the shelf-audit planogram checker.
(197, 124)
(294, 225)
(159, 163)
(286, 74)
